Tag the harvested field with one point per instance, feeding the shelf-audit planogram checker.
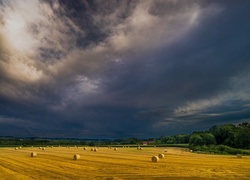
(127, 163)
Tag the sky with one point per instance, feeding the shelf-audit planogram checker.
(118, 69)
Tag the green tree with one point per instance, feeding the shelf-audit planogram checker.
(224, 134)
(208, 138)
(196, 140)
(243, 135)
(181, 139)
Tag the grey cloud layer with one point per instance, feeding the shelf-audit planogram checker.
(107, 67)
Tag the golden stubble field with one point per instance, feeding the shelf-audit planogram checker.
(125, 163)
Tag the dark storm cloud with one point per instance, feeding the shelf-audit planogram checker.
(196, 67)
(199, 69)
(122, 68)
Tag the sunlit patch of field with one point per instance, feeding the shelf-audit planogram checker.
(125, 163)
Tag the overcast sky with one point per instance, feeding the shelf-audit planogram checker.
(129, 68)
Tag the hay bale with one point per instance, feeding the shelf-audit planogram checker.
(92, 149)
(191, 150)
(40, 148)
(138, 148)
(76, 157)
(165, 150)
(16, 148)
(33, 154)
(161, 156)
(239, 156)
(155, 159)
(141, 148)
(43, 148)
(115, 149)
(95, 149)
(85, 148)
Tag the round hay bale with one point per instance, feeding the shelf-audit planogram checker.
(95, 149)
(85, 148)
(165, 150)
(191, 150)
(40, 148)
(155, 159)
(161, 156)
(20, 147)
(92, 149)
(33, 154)
(115, 149)
(76, 157)
(138, 148)
(16, 148)
(141, 148)
(239, 156)
(43, 148)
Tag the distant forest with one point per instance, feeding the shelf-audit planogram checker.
(223, 138)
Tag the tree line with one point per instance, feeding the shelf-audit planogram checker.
(217, 137)
(235, 136)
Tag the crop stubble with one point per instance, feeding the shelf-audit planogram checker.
(127, 163)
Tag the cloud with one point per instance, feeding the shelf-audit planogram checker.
(229, 104)
(45, 46)
(82, 63)
(237, 91)
(138, 31)
(33, 35)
